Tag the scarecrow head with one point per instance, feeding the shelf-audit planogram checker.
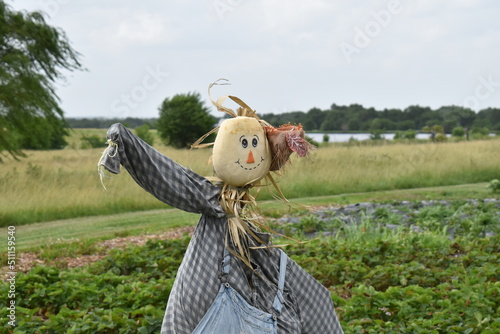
(241, 154)
(247, 148)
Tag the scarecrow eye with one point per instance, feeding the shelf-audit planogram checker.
(254, 142)
(244, 143)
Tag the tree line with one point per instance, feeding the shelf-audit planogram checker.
(104, 123)
(354, 117)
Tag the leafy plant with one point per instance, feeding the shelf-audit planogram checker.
(494, 185)
(458, 132)
(377, 135)
(381, 280)
(145, 134)
(92, 141)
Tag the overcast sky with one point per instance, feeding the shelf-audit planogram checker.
(279, 56)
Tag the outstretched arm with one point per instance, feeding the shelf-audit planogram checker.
(315, 304)
(168, 181)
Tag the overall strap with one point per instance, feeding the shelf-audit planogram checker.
(225, 266)
(279, 300)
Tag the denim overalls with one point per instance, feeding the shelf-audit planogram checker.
(231, 314)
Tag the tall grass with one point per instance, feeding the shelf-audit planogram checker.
(49, 185)
(337, 170)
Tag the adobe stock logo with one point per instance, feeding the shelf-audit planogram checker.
(140, 92)
(483, 91)
(222, 7)
(52, 7)
(372, 29)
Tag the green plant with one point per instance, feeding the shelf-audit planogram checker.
(494, 185)
(381, 280)
(183, 119)
(312, 141)
(458, 132)
(92, 141)
(310, 224)
(440, 137)
(145, 134)
(376, 135)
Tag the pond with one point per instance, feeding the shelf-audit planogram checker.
(344, 137)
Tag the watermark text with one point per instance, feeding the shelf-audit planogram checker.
(11, 275)
(372, 29)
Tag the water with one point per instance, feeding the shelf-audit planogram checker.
(344, 137)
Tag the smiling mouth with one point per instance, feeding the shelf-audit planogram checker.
(248, 168)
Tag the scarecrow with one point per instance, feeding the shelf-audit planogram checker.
(232, 278)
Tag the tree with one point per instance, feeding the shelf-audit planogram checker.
(458, 132)
(144, 133)
(32, 55)
(183, 119)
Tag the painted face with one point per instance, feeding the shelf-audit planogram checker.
(241, 154)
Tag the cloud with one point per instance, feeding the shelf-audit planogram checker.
(280, 55)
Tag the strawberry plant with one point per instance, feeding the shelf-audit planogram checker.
(382, 279)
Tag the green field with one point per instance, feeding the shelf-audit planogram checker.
(384, 275)
(51, 185)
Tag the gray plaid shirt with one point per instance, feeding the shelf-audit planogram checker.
(308, 305)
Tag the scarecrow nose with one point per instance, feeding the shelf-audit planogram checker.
(250, 159)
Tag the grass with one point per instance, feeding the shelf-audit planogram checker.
(51, 185)
(80, 233)
(46, 234)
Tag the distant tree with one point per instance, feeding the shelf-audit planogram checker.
(144, 133)
(478, 133)
(436, 131)
(315, 117)
(458, 132)
(183, 119)
(32, 54)
(308, 125)
(489, 118)
(382, 124)
(410, 134)
(416, 113)
(353, 124)
(331, 121)
(377, 135)
(399, 135)
(406, 125)
(92, 141)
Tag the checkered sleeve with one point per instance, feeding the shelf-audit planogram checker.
(315, 304)
(168, 181)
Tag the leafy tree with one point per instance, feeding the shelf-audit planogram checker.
(458, 132)
(410, 134)
(489, 117)
(377, 135)
(144, 133)
(92, 141)
(315, 117)
(183, 119)
(32, 55)
(479, 133)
